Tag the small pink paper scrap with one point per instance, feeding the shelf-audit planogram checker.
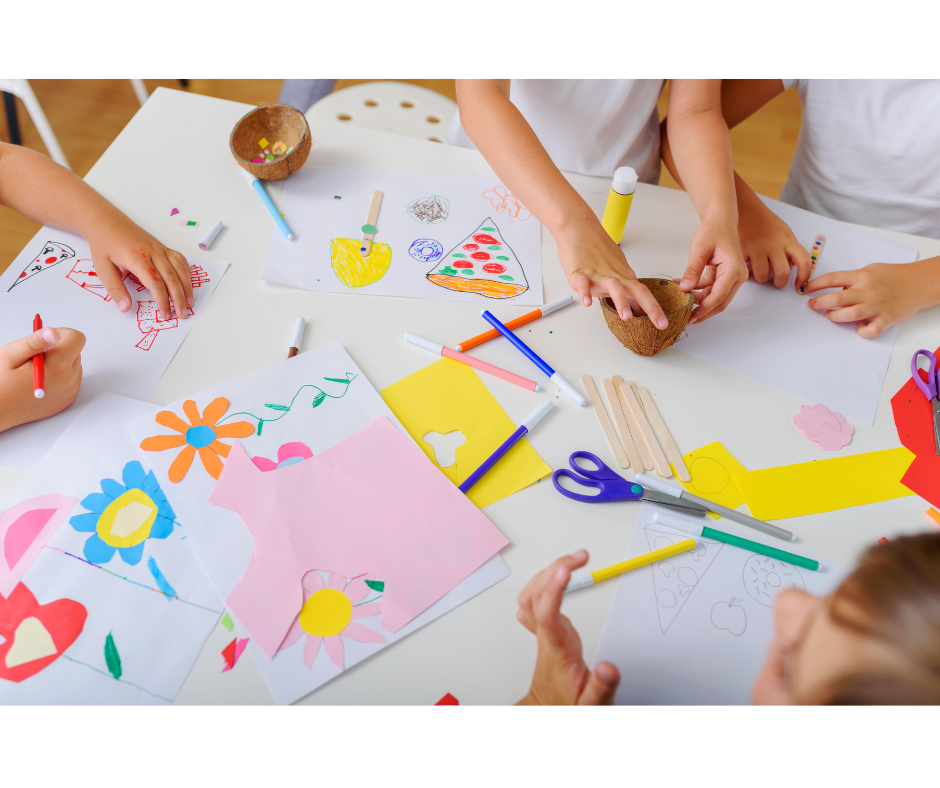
(174, 212)
(823, 426)
(188, 223)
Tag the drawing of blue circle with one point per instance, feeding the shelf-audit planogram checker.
(427, 250)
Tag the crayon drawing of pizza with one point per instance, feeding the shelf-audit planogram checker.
(481, 263)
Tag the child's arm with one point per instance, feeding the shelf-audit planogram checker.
(878, 295)
(767, 243)
(63, 374)
(593, 263)
(46, 192)
(561, 677)
(701, 148)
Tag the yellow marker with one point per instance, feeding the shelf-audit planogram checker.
(619, 201)
(583, 581)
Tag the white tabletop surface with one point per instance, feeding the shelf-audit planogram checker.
(174, 153)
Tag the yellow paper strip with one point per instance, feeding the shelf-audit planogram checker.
(713, 472)
(825, 485)
(448, 396)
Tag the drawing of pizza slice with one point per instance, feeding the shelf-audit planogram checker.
(481, 263)
(675, 579)
(52, 254)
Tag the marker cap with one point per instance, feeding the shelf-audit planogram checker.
(625, 179)
(427, 344)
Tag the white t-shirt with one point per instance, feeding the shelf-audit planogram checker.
(869, 152)
(592, 126)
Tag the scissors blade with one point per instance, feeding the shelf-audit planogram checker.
(686, 507)
(936, 423)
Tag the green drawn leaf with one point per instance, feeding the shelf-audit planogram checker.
(337, 380)
(111, 657)
(318, 400)
(376, 585)
(277, 407)
(260, 425)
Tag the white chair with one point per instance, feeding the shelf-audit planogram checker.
(21, 89)
(395, 107)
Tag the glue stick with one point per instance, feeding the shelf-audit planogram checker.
(618, 202)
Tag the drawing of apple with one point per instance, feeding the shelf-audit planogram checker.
(729, 616)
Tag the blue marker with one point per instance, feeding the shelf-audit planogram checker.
(556, 378)
(272, 209)
(511, 441)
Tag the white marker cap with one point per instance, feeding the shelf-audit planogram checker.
(678, 522)
(657, 484)
(40, 393)
(579, 581)
(206, 242)
(536, 417)
(427, 344)
(558, 304)
(298, 333)
(625, 179)
(570, 390)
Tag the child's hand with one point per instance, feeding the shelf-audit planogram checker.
(769, 245)
(561, 677)
(63, 374)
(120, 246)
(716, 267)
(596, 266)
(878, 295)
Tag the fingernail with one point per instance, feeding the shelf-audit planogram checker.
(662, 322)
(685, 282)
(50, 336)
(189, 301)
(124, 305)
(586, 301)
(606, 673)
(579, 554)
(561, 574)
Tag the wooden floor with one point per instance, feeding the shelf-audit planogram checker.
(87, 114)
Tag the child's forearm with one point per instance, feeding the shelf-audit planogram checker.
(46, 192)
(513, 150)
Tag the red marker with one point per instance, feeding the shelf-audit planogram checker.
(39, 370)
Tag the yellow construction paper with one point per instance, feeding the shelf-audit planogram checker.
(713, 471)
(448, 396)
(824, 485)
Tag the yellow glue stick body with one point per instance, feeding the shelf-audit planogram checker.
(618, 202)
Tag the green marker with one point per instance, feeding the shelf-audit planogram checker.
(755, 547)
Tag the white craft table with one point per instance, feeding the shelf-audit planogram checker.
(174, 153)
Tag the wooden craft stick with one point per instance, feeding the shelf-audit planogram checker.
(369, 229)
(665, 436)
(646, 457)
(626, 438)
(660, 463)
(612, 440)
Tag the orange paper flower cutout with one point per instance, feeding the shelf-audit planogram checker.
(200, 434)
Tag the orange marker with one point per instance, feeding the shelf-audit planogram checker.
(463, 347)
(39, 369)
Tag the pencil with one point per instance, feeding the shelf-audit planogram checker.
(486, 336)
(39, 366)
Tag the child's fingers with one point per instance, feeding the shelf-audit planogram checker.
(760, 267)
(618, 294)
(182, 271)
(547, 606)
(803, 263)
(722, 292)
(67, 351)
(172, 280)
(601, 686)
(851, 314)
(835, 279)
(113, 281)
(869, 329)
(834, 300)
(151, 279)
(693, 271)
(581, 284)
(641, 294)
(16, 353)
(781, 268)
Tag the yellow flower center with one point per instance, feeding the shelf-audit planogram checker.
(325, 613)
(127, 520)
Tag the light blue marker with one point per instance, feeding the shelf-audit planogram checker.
(272, 209)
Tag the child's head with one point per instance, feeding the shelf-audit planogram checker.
(876, 640)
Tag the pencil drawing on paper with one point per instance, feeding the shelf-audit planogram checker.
(51, 255)
(502, 200)
(729, 616)
(429, 210)
(765, 577)
(675, 579)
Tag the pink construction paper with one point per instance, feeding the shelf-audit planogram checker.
(288, 454)
(823, 426)
(24, 529)
(372, 504)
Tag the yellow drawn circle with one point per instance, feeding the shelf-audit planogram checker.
(354, 270)
(128, 519)
(325, 613)
(708, 475)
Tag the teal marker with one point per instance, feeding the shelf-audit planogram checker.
(269, 204)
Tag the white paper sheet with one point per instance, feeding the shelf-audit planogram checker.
(64, 293)
(423, 218)
(690, 630)
(773, 337)
(157, 638)
(222, 541)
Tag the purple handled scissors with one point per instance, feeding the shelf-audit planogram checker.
(612, 486)
(930, 389)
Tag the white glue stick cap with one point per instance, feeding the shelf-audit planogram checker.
(625, 179)
(427, 344)
(206, 242)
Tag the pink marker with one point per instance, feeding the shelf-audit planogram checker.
(439, 349)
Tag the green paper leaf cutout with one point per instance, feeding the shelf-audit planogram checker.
(227, 622)
(318, 400)
(111, 657)
(376, 585)
(277, 407)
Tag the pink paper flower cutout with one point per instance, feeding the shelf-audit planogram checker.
(328, 615)
(288, 454)
(823, 426)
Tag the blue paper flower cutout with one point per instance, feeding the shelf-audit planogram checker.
(123, 516)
